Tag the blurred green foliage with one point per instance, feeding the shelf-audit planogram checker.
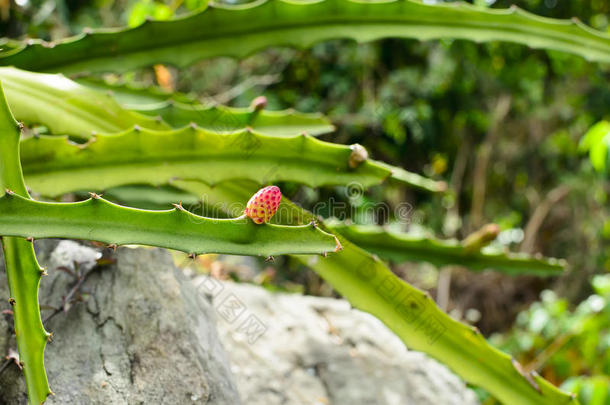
(596, 141)
(561, 342)
(144, 9)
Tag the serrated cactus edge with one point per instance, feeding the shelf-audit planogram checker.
(240, 30)
(22, 269)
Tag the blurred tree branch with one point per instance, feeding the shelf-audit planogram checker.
(540, 213)
(499, 113)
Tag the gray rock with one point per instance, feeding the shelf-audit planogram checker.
(294, 350)
(72, 255)
(142, 336)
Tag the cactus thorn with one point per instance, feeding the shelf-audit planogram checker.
(29, 239)
(95, 196)
(192, 256)
(193, 125)
(158, 118)
(528, 376)
(270, 259)
(21, 364)
(87, 31)
(50, 337)
(20, 125)
(137, 128)
(339, 247)
(43, 272)
(12, 301)
(112, 246)
(93, 133)
(9, 191)
(179, 206)
(51, 393)
(324, 254)
(249, 129)
(313, 224)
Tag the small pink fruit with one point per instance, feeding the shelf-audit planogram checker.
(263, 205)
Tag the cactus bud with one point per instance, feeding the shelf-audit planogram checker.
(259, 103)
(358, 155)
(481, 238)
(263, 205)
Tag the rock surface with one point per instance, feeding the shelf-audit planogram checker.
(142, 336)
(295, 350)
